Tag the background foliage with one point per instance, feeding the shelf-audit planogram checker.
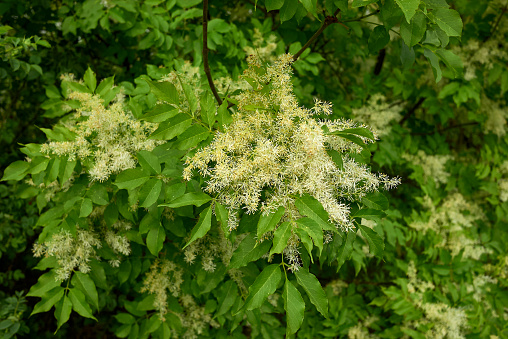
(430, 77)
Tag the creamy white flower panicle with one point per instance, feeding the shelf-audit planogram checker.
(71, 252)
(434, 166)
(106, 138)
(164, 276)
(452, 220)
(277, 148)
(378, 114)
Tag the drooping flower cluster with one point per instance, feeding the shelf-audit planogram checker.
(378, 114)
(71, 252)
(452, 220)
(106, 138)
(448, 321)
(164, 276)
(278, 149)
(434, 166)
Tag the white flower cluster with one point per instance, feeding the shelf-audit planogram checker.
(379, 114)
(263, 47)
(194, 318)
(433, 165)
(209, 248)
(275, 147)
(452, 220)
(496, 117)
(106, 138)
(448, 322)
(164, 276)
(71, 252)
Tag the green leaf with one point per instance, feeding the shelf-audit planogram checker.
(248, 250)
(172, 128)
(190, 96)
(310, 207)
(452, 61)
(160, 113)
(288, 10)
(222, 216)
(105, 86)
(150, 192)
(16, 171)
(196, 199)
(85, 284)
(124, 271)
(165, 91)
(449, 21)
(223, 116)
(361, 3)
(155, 239)
(90, 79)
(38, 165)
(408, 7)
(345, 249)
(281, 237)
(413, 32)
(98, 194)
(294, 306)
(149, 162)
(208, 109)
(310, 6)
(376, 244)
(376, 201)
(66, 169)
(268, 222)
(85, 207)
(63, 310)
(378, 39)
(407, 56)
(264, 285)
(228, 295)
(125, 318)
(49, 299)
(192, 137)
(368, 213)
(46, 282)
(434, 62)
(79, 303)
(273, 4)
(313, 288)
(131, 178)
(336, 157)
(313, 229)
(4, 29)
(202, 227)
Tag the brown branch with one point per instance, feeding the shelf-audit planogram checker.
(205, 53)
(439, 130)
(493, 30)
(412, 110)
(328, 21)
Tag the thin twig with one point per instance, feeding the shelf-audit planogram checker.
(439, 130)
(205, 53)
(412, 110)
(327, 22)
(360, 18)
(493, 31)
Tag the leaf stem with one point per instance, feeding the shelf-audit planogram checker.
(205, 53)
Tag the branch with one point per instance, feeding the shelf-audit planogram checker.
(412, 110)
(493, 30)
(328, 21)
(205, 53)
(439, 130)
